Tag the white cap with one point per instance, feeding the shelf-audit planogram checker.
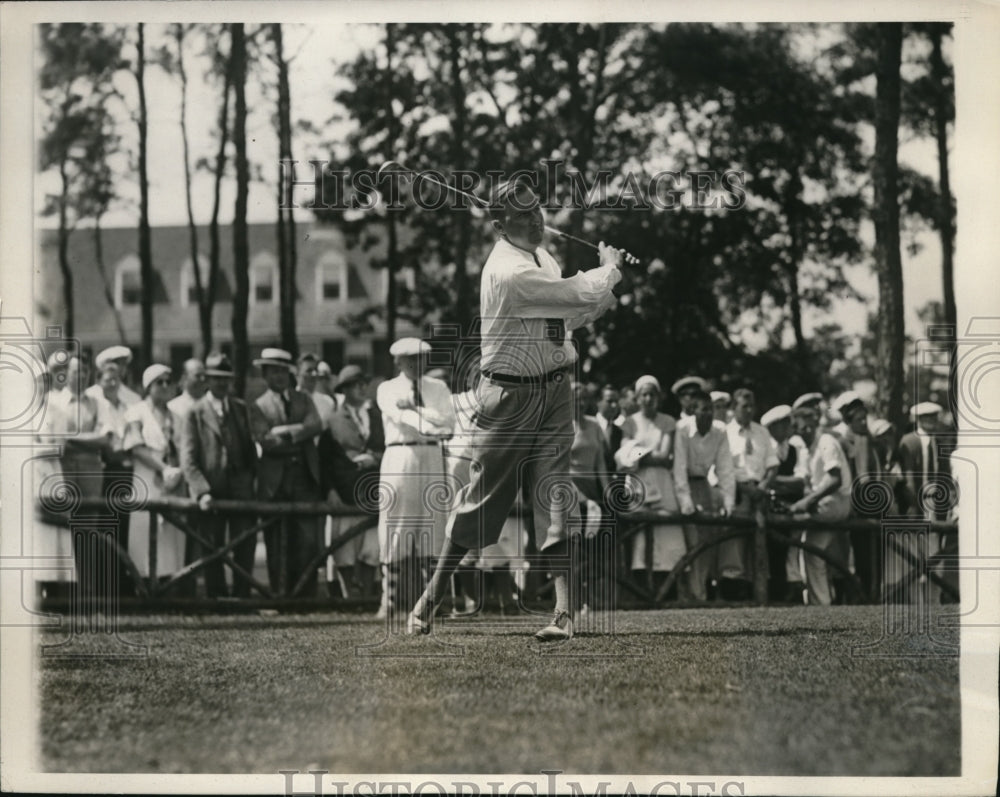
(776, 414)
(807, 398)
(647, 379)
(879, 426)
(845, 400)
(409, 347)
(688, 381)
(154, 372)
(113, 353)
(720, 395)
(925, 408)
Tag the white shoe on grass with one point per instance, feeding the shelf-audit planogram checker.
(560, 628)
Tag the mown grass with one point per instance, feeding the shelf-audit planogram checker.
(750, 691)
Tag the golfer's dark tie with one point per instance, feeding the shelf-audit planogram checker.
(286, 402)
(555, 328)
(418, 399)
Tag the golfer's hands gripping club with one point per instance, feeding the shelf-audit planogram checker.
(609, 256)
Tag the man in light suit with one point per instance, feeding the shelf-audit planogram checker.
(219, 461)
(284, 422)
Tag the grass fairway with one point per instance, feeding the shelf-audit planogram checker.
(750, 691)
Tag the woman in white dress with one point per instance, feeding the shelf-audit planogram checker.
(151, 438)
(646, 454)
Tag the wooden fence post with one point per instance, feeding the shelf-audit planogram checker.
(759, 556)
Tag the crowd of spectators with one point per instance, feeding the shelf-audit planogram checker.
(313, 435)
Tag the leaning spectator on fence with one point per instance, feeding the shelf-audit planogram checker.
(647, 455)
(193, 387)
(756, 460)
(120, 356)
(151, 437)
(284, 422)
(828, 497)
(309, 382)
(111, 414)
(683, 390)
(71, 421)
(853, 435)
(356, 424)
(219, 460)
(787, 487)
(923, 461)
(699, 447)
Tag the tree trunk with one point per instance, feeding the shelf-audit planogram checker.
(946, 221)
(205, 319)
(286, 223)
(463, 308)
(67, 273)
(392, 254)
(145, 245)
(793, 210)
(213, 227)
(888, 263)
(241, 246)
(946, 218)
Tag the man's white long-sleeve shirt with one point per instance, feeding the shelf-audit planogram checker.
(695, 454)
(520, 291)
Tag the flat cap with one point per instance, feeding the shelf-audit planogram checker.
(409, 347)
(686, 382)
(807, 400)
(926, 408)
(775, 414)
(113, 353)
(846, 400)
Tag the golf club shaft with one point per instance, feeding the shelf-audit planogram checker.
(481, 203)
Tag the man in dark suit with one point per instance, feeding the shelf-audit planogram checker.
(357, 426)
(609, 418)
(922, 461)
(219, 461)
(284, 422)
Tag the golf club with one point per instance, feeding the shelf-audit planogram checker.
(390, 166)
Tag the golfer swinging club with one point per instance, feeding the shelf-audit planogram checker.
(524, 416)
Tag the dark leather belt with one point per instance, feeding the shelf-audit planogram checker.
(416, 443)
(697, 478)
(552, 376)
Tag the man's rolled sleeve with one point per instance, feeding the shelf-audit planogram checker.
(539, 294)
